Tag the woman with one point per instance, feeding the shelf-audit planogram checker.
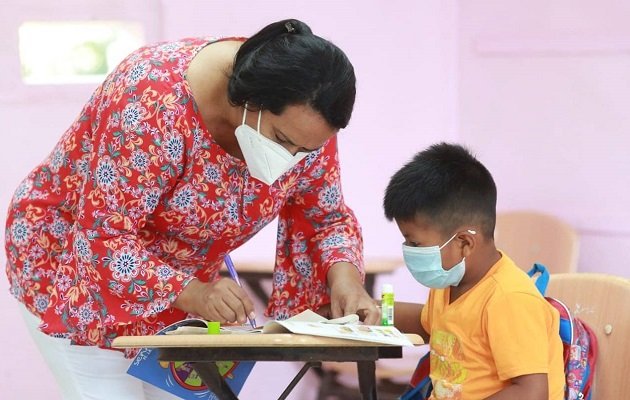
(185, 152)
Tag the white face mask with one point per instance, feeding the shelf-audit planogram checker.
(265, 159)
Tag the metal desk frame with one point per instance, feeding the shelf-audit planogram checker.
(204, 350)
(203, 359)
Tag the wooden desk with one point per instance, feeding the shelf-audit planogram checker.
(254, 272)
(203, 350)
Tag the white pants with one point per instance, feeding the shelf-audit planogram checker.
(87, 372)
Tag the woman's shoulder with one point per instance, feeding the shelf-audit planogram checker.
(151, 71)
(163, 57)
(170, 48)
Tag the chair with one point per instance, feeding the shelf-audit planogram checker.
(601, 300)
(528, 237)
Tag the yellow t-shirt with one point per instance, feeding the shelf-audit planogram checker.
(500, 329)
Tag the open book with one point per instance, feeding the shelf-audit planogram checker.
(179, 378)
(311, 323)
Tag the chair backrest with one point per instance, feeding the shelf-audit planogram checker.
(600, 300)
(528, 237)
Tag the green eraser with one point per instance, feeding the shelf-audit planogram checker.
(214, 327)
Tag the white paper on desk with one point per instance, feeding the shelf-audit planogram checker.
(305, 316)
(310, 323)
(196, 330)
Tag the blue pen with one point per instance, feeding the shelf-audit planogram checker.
(234, 275)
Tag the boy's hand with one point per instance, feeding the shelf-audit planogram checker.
(348, 295)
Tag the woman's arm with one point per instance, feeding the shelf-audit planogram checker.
(134, 147)
(316, 232)
(116, 280)
(349, 295)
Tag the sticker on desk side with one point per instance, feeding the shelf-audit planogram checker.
(179, 378)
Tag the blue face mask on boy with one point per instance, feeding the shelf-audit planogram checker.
(425, 265)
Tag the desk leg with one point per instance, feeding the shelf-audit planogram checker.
(304, 370)
(367, 379)
(210, 375)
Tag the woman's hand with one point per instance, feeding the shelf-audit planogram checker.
(348, 295)
(222, 300)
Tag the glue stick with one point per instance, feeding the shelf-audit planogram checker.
(387, 305)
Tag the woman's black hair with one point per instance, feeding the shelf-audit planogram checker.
(286, 64)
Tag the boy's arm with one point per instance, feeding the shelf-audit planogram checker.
(526, 387)
(521, 346)
(407, 319)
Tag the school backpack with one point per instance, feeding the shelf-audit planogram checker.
(578, 341)
(579, 345)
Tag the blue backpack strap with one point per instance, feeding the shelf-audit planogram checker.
(420, 383)
(420, 392)
(543, 280)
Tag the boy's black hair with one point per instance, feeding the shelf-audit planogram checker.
(446, 184)
(286, 64)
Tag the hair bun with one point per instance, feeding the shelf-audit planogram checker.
(289, 27)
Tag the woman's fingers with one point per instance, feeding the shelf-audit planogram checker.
(222, 301)
(370, 314)
(351, 298)
(229, 302)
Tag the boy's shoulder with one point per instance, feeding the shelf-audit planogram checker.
(507, 287)
(505, 278)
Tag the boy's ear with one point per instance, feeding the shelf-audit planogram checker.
(468, 241)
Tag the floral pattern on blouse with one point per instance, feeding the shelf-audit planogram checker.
(136, 199)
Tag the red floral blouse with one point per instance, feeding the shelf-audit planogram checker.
(136, 199)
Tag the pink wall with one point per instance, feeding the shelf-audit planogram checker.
(543, 97)
(404, 54)
(539, 91)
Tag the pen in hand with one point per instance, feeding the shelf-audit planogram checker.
(234, 275)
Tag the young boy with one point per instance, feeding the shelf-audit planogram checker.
(492, 335)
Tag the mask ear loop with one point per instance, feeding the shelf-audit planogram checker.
(448, 241)
(472, 232)
(244, 114)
